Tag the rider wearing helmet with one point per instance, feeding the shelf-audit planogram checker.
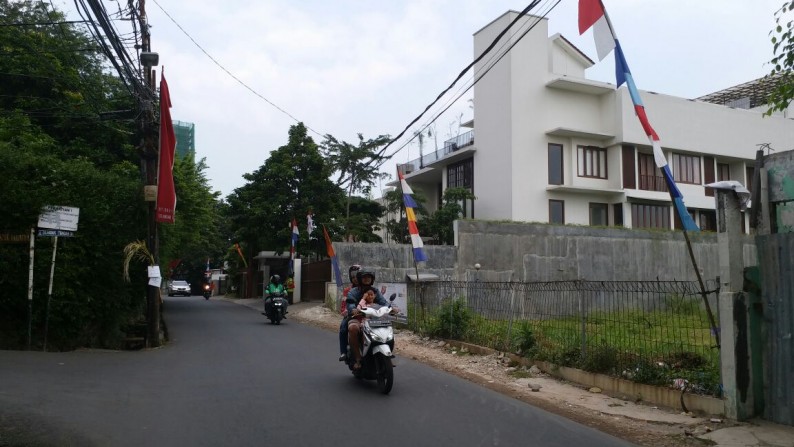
(366, 281)
(351, 274)
(273, 288)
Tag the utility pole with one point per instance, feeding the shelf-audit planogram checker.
(149, 158)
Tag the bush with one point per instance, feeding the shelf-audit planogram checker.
(451, 320)
(601, 359)
(524, 339)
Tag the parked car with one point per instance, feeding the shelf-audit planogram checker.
(179, 287)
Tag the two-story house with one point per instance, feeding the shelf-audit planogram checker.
(552, 146)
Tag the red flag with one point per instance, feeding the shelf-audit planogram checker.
(166, 195)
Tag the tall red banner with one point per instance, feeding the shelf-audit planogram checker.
(166, 194)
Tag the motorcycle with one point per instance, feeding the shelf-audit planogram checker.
(377, 347)
(207, 291)
(277, 310)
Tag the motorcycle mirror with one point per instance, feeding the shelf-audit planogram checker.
(393, 297)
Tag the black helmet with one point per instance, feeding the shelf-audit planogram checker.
(351, 272)
(275, 279)
(362, 273)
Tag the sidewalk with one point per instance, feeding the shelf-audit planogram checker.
(712, 431)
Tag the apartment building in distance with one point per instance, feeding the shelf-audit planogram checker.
(552, 146)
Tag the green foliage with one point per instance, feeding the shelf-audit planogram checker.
(357, 166)
(451, 320)
(524, 339)
(440, 224)
(294, 179)
(601, 358)
(782, 38)
(398, 229)
(363, 220)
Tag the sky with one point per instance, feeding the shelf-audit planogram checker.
(345, 67)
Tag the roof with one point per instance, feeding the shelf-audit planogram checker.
(745, 96)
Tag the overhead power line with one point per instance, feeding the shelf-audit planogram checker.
(477, 78)
(230, 73)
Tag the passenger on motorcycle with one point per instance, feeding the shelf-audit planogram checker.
(351, 274)
(273, 288)
(366, 279)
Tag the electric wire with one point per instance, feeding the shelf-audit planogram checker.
(230, 73)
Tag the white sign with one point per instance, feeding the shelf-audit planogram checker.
(154, 275)
(401, 301)
(59, 218)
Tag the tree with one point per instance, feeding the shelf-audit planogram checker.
(294, 179)
(783, 60)
(440, 224)
(357, 166)
(364, 220)
(398, 229)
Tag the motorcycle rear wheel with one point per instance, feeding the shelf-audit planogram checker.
(384, 372)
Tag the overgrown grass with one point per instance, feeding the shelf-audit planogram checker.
(648, 347)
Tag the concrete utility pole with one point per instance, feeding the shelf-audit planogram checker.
(149, 159)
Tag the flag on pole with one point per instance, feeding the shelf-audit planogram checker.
(208, 265)
(331, 254)
(416, 241)
(592, 14)
(293, 244)
(240, 252)
(310, 222)
(166, 194)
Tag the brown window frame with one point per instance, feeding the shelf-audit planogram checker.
(686, 169)
(605, 207)
(562, 210)
(559, 170)
(645, 215)
(649, 181)
(589, 160)
(723, 171)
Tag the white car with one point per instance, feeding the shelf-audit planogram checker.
(179, 287)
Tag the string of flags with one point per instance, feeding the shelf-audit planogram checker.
(592, 14)
(413, 230)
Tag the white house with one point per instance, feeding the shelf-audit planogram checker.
(553, 146)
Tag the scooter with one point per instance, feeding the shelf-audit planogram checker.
(376, 349)
(207, 291)
(277, 310)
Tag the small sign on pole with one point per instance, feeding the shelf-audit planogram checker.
(59, 218)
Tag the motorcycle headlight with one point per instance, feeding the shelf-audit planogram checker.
(378, 338)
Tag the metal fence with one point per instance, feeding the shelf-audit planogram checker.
(653, 332)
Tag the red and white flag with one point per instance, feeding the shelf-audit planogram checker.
(166, 193)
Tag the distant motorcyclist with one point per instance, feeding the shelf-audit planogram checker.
(274, 288)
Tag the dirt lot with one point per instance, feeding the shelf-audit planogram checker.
(618, 415)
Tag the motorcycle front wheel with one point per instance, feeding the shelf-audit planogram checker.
(384, 372)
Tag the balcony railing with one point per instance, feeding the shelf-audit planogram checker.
(451, 145)
(652, 183)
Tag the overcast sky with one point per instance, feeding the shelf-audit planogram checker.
(346, 67)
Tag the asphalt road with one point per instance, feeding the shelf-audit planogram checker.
(229, 378)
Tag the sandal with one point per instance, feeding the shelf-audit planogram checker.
(356, 365)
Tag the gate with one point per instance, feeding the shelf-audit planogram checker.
(314, 276)
(775, 253)
(775, 245)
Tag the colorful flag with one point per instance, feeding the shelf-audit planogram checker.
(166, 194)
(593, 14)
(416, 241)
(331, 254)
(240, 252)
(293, 244)
(310, 222)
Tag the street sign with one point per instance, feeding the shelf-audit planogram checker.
(58, 233)
(59, 218)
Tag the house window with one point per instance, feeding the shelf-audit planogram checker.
(557, 211)
(591, 162)
(708, 220)
(461, 175)
(750, 173)
(686, 169)
(723, 171)
(649, 177)
(650, 216)
(555, 164)
(599, 214)
(617, 211)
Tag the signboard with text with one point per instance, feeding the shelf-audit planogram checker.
(59, 218)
